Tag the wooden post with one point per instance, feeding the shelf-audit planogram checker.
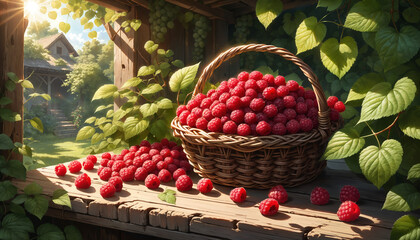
(12, 30)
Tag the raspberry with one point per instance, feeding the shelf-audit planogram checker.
(60, 170)
(88, 165)
(270, 110)
(115, 174)
(168, 160)
(251, 84)
(270, 93)
(183, 117)
(279, 104)
(269, 207)
(257, 104)
(149, 166)
(204, 185)
(215, 97)
(184, 183)
(124, 152)
(238, 91)
(133, 149)
(106, 155)
(161, 165)
(222, 88)
(199, 97)
(224, 97)
(232, 82)
(205, 103)
(278, 193)
(282, 91)
(243, 76)
(207, 115)
(238, 195)
(241, 84)
(312, 112)
(82, 181)
(145, 156)
(263, 128)
(92, 158)
(279, 80)
(105, 173)
(191, 119)
(309, 103)
(197, 111)
(320, 196)
(215, 125)
(348, 211)
(192, 104)
(154, 152)
(117, 182)
(292, 85)
(245, 101)
(339, 106)
(211, 92)
(244, 129)
(255, 75)
(74, 166)
(107, 190)
(224, 119)
(145, 143)
(143, 150)
(172, 167)
(289, 101)
(129, 156)
(269, 78)
(280, 118)
(118, 165)
(262, 117)
(164, 176)
(293, 126)
(309, 94)
(126, 174)
(237, 116)
(279, 129)
(290, 113)
(301, 92)
(201, 123)
(110, 163)
(306, 125)
(301, 108)
(179, 172)
(230, 127)
(251, 93)
(166, 152)
(185, 165)
(334, 115)
(262, 84)
(119, 157)
(331, 101)
(219, 110)
(152, 181)
(349, 193)
(233, 103)
(140, 174)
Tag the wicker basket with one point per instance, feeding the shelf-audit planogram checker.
(258, 161)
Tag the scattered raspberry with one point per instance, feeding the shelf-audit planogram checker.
(255, 75)
(88, 165)
(339, 106)
(331, 101)
(269, 207)
(334, 115)
(106, 155)
(164, 176)
(243, 76)
(204, 185)
(257, 104)
(306, 125)
(126, 174)
(270, 93)
(348, 211)
(278, 193)
(74, 166)
(60, 170)
(219, 110)
(263, 128)
(185, 165)
(183, 117)
(289, 101)
(179, 172)
(118, 165)
(215, 125)
(244, 129)
(133, 149)
(320, 196)
(152, 181)
(279, 129)
(230, 127)
(238, 195)
(233, 103)
(191, 119)
(292, 85)
(82, 181)
(140, 174)
(117, 182)
(105, 173)
(92, 158)
(161, 165)
(270, 110)
(349, 193)
(149, 166)
(107, 190)
(279, 80)
(184, 183)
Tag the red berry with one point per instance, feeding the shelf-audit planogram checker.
(204, 185)
(230, 127)
(278, 193)
(250, 118)
(309, 94)
(243, 76)
(149, 166)
(211, 92)
(191, 119)
(145, 143)
(255, 75)
(197, 111)
(105, 173)
(199, 97)
(331, 101)
(215, 125)
(280, 118)
(107, 190)
(222, 88)
(184, 183)
(279, 80)
(237, 116)
(289, 101)
(238, 195)
(117, 182)
(92, 158)
(320, 196)
(301, 107)
(349, 193)
(88, 165)
(106, 155)
(82, 181)
(257, 104)
(269, 207)
(133, 149)
(126, 174)
(306, 125)
(180, 109)
(269, 78)
(292, 85)
(339, 106)
(60, 170)
(74, 166)
(201, 123)
(224, 97)
(129, 156)
(270, 93)
(251, 84)
(233, 103)
(270, 110)
(293, 126)
(334, 115)
(179, 172)
(207, 115)
(206, 103)
(118, 165)
(263, 128)
(219, 110)
(251, 93)
(183, 117)
(232, 82)
(238, 91)
(161, 165)
(290, 113)
(192, 104)
(152, 181)
(348, 211)
(262, 84)
(279, 129)
(140, 174)
(164, 176)
(244, 129)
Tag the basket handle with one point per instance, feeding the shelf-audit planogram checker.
(324, 110)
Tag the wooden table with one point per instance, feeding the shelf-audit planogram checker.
(137, 209)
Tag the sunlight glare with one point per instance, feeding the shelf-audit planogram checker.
(31, 8)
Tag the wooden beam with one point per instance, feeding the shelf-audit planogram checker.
(142, 3)
(112, 4)
(204, 10)
(251, 3)
(223, 3)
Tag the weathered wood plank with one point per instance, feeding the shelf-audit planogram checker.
(112, 4)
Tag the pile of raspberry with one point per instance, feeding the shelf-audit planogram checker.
(255, 104)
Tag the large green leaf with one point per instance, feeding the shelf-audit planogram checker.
(396, 48)
(379, 164)
(48, 231)
(132, 82)
(85, 133)
(15, 226)
(96, 138)
(339, 57)
(110, 130)
(148, 109)
(414, 173)
(33, 189)
(14, 168)
(362, 86)
(403, 197)
(146, 70)
(406, 227)
(133, 126)
(183, 78)
(411, 15)
(292, 21)
(410, 122)
(105, 91)
(164, 103)
(382, 100)
(159, 129)
(37, 124)
(309, 34)
(8, 115)
(331, 5)
(152, 89)
(268, 10)
(36, 205)
(61, 197)
(72, 233)
(5, 142)
(8, 190)
(26, 83)
(150, 46)
(343, 144)
(367, 16)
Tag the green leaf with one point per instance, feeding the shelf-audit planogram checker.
(33, 189)
(135, 24)
(43, 9)
(343, 144)
(56, 4)
(105, 91)
(12, 76)
(72, 233)
(14, 208)
(331, 5)
(10, 85)
(309, 34)
(411, 15)
(162, 196)
(52, 15)
(37, 124)
(414, 173)
(91, 119)
(152, 89)
(96, 138)
(362, 86)
(88, 25)
(48, 231)
(268, 10)
(64, 27)
(406, 227)
(379, 164)
(102, 107)
(367, 16)
(291, 22)
(146, 70)
(15, 226)
(369, 38)
(61, 197)
(133, 126)
(5, 142)
(5, 101)
(148, 109)
(396, 48)
(382, 100)
(164, 103)
(132, 82)
(111, 130)
(409, 122)
(178, 63)
(182, 78)
(14, 168)
(159, 129)
(97, 22)
(85, 133)
(65, 11)
(8, 190)
(9, 115)
(169, 191)
(92, 34)
(25, 150)
(403, 197)
(170, 198)
(36, 205)
(26, 84)
(338, 58)
(150, 46)
(19, 199)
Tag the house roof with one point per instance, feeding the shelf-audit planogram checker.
(46, 42)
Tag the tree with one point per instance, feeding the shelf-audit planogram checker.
(42, 29)
(106, 60)
(33, 50)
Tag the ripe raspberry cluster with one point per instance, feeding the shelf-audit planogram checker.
(253, 104)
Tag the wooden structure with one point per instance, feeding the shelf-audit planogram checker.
(137, 209)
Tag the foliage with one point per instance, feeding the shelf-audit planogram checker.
(38, 113)
(33, 50)
(38, 29)
(60, 62)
